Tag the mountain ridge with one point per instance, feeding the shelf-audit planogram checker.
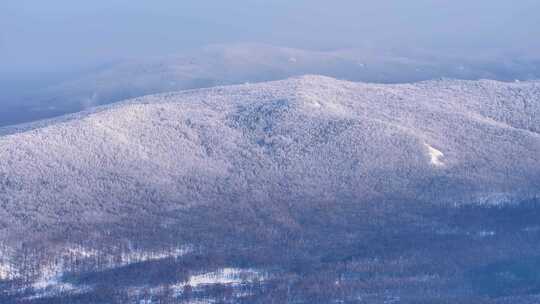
(303, 140)
(22, 127)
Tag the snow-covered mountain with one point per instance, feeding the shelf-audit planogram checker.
(302, 141)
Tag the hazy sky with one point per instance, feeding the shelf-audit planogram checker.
(63, 35)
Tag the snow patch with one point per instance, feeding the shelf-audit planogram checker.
(226, 276)
(485, 233)
(436, 156)
(126, 258)
(328, 104)
(143, 256)
(50, 279)
(50, 283)
(7, 271)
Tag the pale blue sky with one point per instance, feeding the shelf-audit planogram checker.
(63, 35)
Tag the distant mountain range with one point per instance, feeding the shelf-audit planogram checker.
(240, 63)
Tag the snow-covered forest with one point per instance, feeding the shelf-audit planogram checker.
(269, 152)
(219, 174)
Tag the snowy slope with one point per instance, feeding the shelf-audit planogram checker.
(303, 140)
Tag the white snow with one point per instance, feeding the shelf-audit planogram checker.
(226, 276)
(117, 257)
(143, 256)
(50, 283)
(435, 156)
(49, 276)
(7, 271)
(485, 233)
